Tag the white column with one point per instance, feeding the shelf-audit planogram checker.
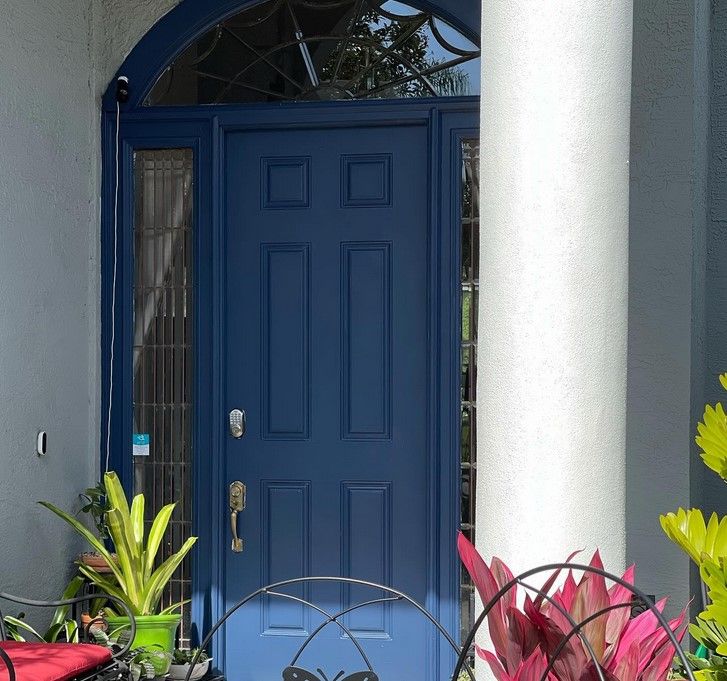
(556, 90)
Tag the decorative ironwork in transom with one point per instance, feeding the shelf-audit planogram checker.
(291, 50)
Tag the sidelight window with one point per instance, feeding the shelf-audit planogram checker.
(470, 219)
(162, 348)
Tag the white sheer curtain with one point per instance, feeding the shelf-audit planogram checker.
(165, 186)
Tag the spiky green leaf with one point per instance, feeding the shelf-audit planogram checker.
(22, 625)
(171, 609)
(129, 562)
(106, 586)
(156, 536)
(137, 520)
(61, 614)
(89, 537)
(117, 501)
(162, 575)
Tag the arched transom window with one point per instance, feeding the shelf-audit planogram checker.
(291, 50)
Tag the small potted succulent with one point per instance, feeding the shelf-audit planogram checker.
(144, 663)
(182, 660)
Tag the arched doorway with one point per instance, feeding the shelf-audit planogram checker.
(293, 187)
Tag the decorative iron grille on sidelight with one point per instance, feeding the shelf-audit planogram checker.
(470, 277)
(162, 349)
(290, 50)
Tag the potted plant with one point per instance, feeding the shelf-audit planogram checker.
(182, 660)
(134, 578)
(96, 504)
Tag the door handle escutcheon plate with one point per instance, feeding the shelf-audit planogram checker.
(238, 500)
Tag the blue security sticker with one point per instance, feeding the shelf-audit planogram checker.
(140, 444)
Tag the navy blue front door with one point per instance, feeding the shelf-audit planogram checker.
(329, 352)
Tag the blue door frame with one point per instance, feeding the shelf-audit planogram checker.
(204, 129)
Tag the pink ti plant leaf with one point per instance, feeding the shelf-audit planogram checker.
(526, 638)
(552, 579)
(619, 596)
(531, 669)
(591, 597)
(627, 668)
(487, 587)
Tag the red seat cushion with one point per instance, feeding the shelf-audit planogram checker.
(51, 661)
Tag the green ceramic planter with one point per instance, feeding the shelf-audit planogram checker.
(155, 632)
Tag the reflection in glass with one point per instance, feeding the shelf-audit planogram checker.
(470, 219)
(162, 348)
(284, 50)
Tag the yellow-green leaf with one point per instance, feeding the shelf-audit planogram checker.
(170, 609)
(69, 592)
(81, 529)
(106, 586)
(128, 564)
(117, 500)
(137, 521)
(162, 575)
(156, 535)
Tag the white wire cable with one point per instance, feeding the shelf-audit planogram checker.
(113, 286)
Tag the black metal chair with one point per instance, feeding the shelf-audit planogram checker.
(293, 672)
(64, 661)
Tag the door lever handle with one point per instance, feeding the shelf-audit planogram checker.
(238, 500)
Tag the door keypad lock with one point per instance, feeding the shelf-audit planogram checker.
(238, 500)
(238, 423)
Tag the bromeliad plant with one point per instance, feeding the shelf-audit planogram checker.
(528, 639)
(134, 578)
(706, 542)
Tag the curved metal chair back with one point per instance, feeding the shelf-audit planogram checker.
(85, 629)
(577, 628)
(293, 672)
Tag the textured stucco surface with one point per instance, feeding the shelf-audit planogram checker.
(713, 491)
(48, 228)
(665, 220)
(57, 59)
(123, 24)
(554, 279)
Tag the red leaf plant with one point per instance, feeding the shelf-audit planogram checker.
(526, 640)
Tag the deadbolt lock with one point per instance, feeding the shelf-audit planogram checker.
(238, 423)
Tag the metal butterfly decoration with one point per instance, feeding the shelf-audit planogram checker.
(298, 674)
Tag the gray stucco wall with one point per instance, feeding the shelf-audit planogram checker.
(123, 24)
(665, 294)
(48, 270)
(714, 494)
(57, 60)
